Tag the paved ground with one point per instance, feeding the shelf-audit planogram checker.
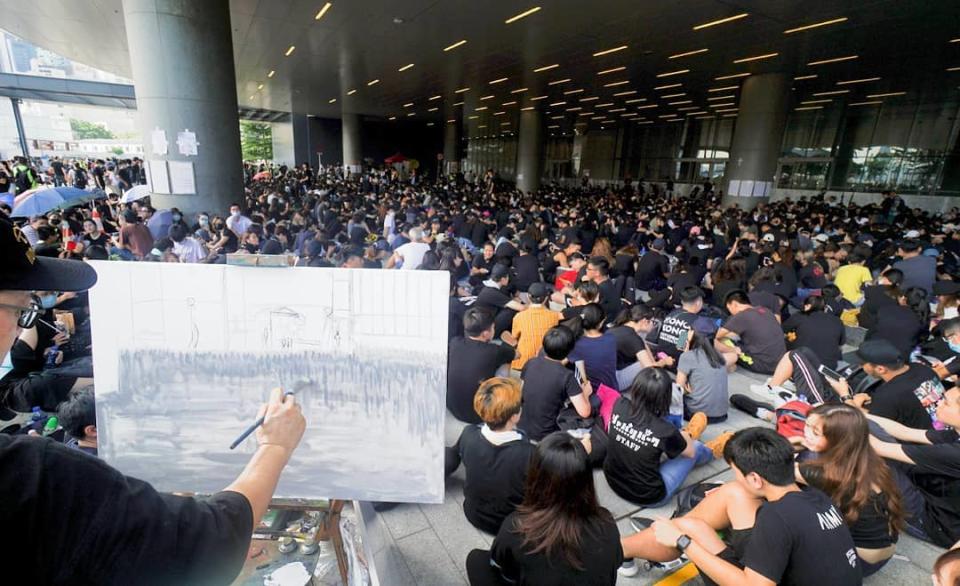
(434, 540)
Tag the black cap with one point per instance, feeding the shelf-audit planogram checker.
(538, 290)
(23, 270)
(880, 352)
(946, 288)
(499, 271)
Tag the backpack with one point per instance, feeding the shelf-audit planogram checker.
(22, 180)
(691, 496)
(80, 179)
(792, 418)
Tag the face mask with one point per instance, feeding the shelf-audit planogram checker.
(204, 222)
(176, 217)
(235, 214)
(48, 301)
(954, 347)
(251, 248)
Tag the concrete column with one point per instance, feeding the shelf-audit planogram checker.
(530, 150)
(352, 151)
(757, 139)
(451, 147)
(301, 139)
(181, 55)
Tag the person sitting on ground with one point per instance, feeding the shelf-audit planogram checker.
(495, 455)
(814, 328)
(919, 270)
(927, 463)
(529, 326)
(877, 299)
(682, 320)
(856, 479)
(761, 343)
(905, 325)
(493, 296)
(944, 349)
(653, 268)
(851, 278)
(482, 265)
(641, 437)
(909, 394)
(78, 417)
(560, 535)
(186, 247)
(598, 349)
(630, 329)
(410, 255)
(582, 294)
(474, 359)
(795, 537)
(598, 271)
(550, 389)
(702, 374)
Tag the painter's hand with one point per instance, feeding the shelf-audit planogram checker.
(283, 424)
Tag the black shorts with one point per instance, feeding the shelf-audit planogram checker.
(736, 540)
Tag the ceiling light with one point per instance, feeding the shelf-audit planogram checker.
(672, 73)
(799, 77)
(351, 92)
(667, 116)
(554, 126)
(688, 53)
(586, 113)
(432, 98)
(834, 60)
(810, 108)
(332, 101)
(480, 109)
(527, 108)
(589, 99)
(458, 103)
(729, 115)
(560, 117)
(833, 93)
(614, 70)
(451, 121)
(852, 81)
(500, 113)
(680, 103)
(705, 117)
(486, 97)
(373, 82)
(394, 118)
(666, 87)
(455, 45)
(645, 122)
(252, 97)
(574, 109)
(571, 92)
(674, 95)
(504, 124)
(731, 76)
(727, 110)
(412, 114)
(887, 95)
(272, 73)
(608, 51)
(603, 105)
(408, 104)
(502, 79)
(647, 107)
(434, 109)
(289, 51)
(513, 19)
(617, 110)
(724, 88)
(954, 40)
(688, 108)
(635, 100)
(559, 81)
(546, 68)
(406, 67)
(519, 90)
(953, 68)
(323, 11)
(756, 58)
(731, 97)
(827, 101)
(260, 87)
(626, 93)
(508, 104)
(871, 103)
(616, 83)
(815, 25)
(461, 90)
(538, 98)
(721, 21)
(701, 112)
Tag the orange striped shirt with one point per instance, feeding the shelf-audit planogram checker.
(530, 325)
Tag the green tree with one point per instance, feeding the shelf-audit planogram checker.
(117, 150)
(256, 140)
(83, 129)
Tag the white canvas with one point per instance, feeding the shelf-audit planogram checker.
(185, 354)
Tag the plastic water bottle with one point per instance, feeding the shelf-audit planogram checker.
(51, 425)
(36, 415)
(52, 356)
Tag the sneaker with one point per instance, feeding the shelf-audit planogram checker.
(750, 405)
(717, 444)
(696, 425)
(640, 523)
(629, 568)
(768, 391)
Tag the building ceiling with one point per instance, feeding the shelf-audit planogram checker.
(907, 45)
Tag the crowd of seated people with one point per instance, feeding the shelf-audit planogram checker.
(596, 328)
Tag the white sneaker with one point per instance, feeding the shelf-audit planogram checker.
(773, 393)
(629, 568)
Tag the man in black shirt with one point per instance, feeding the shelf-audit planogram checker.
(549, 388)
(81, 521)
(679, 322)
(493, 297)
(653, 267)
(472, 360)
(598, 271)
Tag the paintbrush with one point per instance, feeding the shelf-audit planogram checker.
(253, 427)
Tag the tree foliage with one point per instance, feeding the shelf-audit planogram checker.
(256, 140)
(83, 129)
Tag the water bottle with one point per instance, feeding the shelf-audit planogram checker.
(36, 415)
(51, 425)
(52, 356)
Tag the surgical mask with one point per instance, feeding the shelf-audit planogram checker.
(954, 347)
(235, 214)
(48, 301)
(176, 217)
(204, 221)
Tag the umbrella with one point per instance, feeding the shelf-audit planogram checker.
(135, 193)
(261, 176)
(159, 223)
(397, 158)
(41, 201)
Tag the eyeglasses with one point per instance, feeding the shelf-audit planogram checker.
(26, 316)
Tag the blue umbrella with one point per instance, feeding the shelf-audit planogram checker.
(42, 201)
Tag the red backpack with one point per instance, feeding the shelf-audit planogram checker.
(792, 418)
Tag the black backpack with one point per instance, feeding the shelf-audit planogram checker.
(691, 496)
(80, 179)
(22, 180)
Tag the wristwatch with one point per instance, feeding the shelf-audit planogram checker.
(683, 542)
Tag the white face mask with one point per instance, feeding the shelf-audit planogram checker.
(235, 214)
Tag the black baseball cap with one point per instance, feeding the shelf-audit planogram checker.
(880, 352)
(23, 270)
(538, 290)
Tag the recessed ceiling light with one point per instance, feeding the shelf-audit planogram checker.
(727, 110)
(731, 97)
(589, 99)
(351, 92)
(272, 73)
(799, 77)
(332, 101)
(480, 109)
(538, 98)
(323, 11)
(458, 103)
(408, 104)
(672, 73)
(614, 70)
(546, 68)
(290, 51)
(500, 113)
(645, 122)
(527, 108)
(626, 93)
(617, 110)
(731, 76)
(523, 14)
(406, 67)
(608, 51)
(688, 53)
(701, 112)
(519, 90)
(432, 98)
(666, 87)
(688, 108)
(953, 68)
(559, 81)
(957, 40)
(834, 60)
(667, 116)
(412, 114)
(756, 58)
(571, 92)
(870, 103)
(720, 21)
(560, 117)
(833, 93)
(252, 97)
(508, 104)
(852, 81)
(815, 25)
(647, 107)
(260, 86)
(373, 82)
(501, 80)
(481, 126)
(680, 103)
(554, 126)
(724, 88)
(586, 113)
(434, 109)
(557, 104)
(887, 95)
(451, 121)
(826, 101)
(809, 108)
(722, 105)
(616, 83)
(635, 100)
(674, 95)
(461, 90)
(455, 45)
(574, 109)
(603, 105)
(392, 118)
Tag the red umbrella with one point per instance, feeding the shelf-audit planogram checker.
(261, 176)
(397, 158)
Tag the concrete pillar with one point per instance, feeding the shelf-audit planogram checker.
(181, 55)
(757, 138)
(451, 147)
(301, 139)
(352, 151)
(530, 150)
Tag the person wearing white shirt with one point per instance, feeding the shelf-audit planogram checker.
(411, 253)
(187, 248)
(237, 221)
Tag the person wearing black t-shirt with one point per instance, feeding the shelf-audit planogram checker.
(761, 342)
(652, 269)
(630, 330)
(796, 538)
(877, 299)
(472, 360)
(495, 455)
(817, 330)
(679, 321)
(493, 297)
(598, 271)
(526, 266)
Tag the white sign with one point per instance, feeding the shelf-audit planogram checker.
(159, 179)
(187, 143)
(182, 181)
(158, 140)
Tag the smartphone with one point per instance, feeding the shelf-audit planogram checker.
(829, 373)
(580, 371)
(682, 339)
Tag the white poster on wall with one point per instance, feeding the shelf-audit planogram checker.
(734, 187)
(158, 141)
(182, 181)
(187, 143)
(159, 179)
